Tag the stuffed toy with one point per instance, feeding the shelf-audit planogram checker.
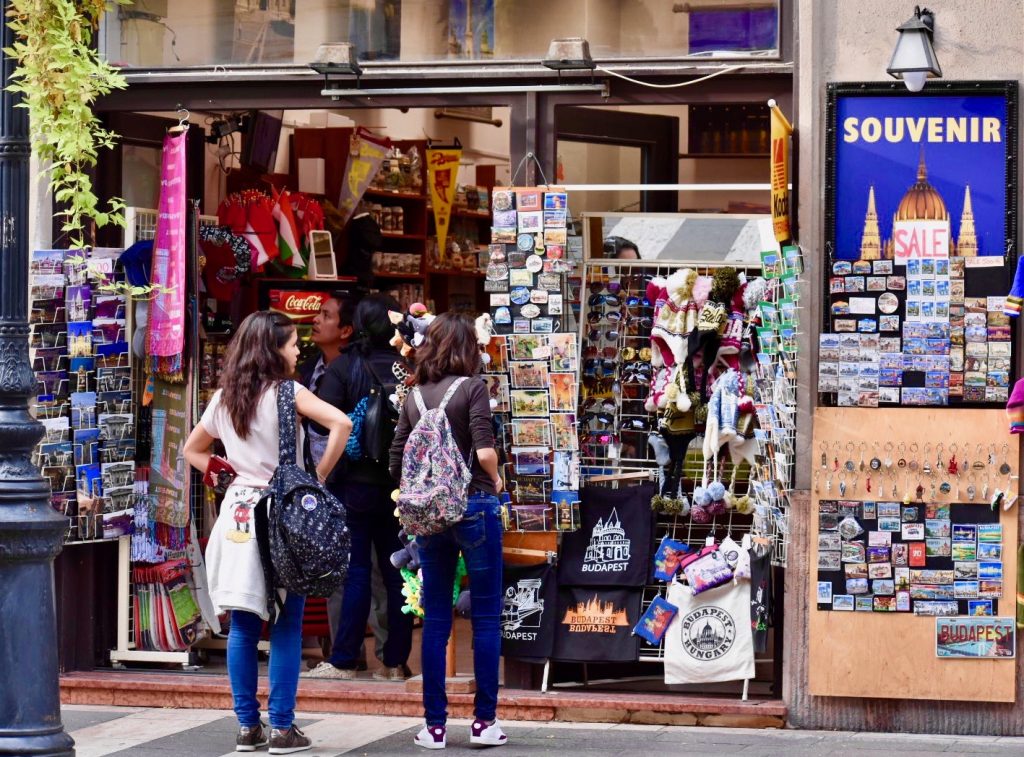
(409, 555)
(484, 332)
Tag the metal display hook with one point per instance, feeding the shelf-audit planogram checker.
(540, 169)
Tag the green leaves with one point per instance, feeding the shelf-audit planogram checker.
(60, 77)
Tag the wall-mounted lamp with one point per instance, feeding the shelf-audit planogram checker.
(569, 54)
(338, 58)
(914, 59)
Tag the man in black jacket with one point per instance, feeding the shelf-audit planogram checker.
(364, 486)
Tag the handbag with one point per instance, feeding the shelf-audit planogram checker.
(706, 569)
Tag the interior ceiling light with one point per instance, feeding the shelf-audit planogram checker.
(914, 59)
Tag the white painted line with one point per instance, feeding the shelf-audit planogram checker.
(138, 728)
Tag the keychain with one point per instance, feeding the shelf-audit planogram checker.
(984, 491)
(842, 484)
(952, 460)
(1005, 467)
(971, 488)
(849, 461)
(863, 449)
(824, 455)
(876, 462)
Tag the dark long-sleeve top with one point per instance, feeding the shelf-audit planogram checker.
(344, 384)
(469, 413)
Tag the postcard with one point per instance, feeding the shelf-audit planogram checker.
(529, 402)
(529, 374)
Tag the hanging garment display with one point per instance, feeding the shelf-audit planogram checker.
(167, 313)
(710, 638)
(596, 625)
(613, 546)
(528, 613)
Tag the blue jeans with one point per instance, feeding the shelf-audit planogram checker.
(478, 537)
(285, 658)
(373, 525)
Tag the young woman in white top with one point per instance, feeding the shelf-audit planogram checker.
(243, 415)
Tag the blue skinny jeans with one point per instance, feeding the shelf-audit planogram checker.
(478, 536)
(285, 659)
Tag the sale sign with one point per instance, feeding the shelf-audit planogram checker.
(920, 240)
(982, 638)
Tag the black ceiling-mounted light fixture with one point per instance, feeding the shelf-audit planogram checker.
(226, 126)
(914, 59)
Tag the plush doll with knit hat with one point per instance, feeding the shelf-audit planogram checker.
(1015, 298)
(1015, 408)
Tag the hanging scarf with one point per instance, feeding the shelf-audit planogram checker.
(167, 313)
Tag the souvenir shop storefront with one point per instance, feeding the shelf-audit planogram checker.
(644, 395)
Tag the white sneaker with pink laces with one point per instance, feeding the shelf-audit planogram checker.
(431, 737)
(487, 734)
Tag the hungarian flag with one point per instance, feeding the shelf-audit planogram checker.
(287, 231)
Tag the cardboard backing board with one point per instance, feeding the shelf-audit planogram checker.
(892, 655)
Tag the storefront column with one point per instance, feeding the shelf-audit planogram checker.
(31, 533)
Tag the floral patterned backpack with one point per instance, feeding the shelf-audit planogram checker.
(435, 477)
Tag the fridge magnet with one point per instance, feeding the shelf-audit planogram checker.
(856, 570)
(979, 607)
(528, 199)
(824, 592)
(530, 222)
(885, 603)
(856, 586)
(843, 602)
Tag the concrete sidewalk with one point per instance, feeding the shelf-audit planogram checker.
(139, 732)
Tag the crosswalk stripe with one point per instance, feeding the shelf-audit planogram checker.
(138, 728)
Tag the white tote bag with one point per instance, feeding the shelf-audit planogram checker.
(710, 638)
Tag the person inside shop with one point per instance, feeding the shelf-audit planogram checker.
(450, 350)
(332, 330)
(364, 485)
(243, 416)
(620, 248)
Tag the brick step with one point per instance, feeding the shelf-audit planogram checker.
(203, 690)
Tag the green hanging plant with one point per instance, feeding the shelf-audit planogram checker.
(60, 76)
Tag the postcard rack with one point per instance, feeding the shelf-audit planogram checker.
(140, 225)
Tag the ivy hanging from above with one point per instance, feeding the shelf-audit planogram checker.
(60, 76)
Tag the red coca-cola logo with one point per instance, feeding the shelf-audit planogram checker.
(301, 307)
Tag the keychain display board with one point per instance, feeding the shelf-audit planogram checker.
(892, 654)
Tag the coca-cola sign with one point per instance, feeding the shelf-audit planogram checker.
(301, 307)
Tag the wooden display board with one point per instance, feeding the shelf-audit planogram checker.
(892, 655)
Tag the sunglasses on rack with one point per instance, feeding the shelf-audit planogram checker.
(596, 335)
(595, 316)
(597, 404)
(640, 322)
(592, 351)
(610, 300)
(633, 302)
(612, 287)
(634, 424)
(600, 367)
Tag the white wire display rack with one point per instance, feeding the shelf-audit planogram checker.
(631, 453)
(140, 224)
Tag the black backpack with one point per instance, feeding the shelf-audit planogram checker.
(380, 418)
(300, 526)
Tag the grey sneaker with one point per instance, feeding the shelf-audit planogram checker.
(286, 742)
(390, 674)
(251, 738)
(327, 671)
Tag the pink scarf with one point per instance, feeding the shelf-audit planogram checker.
(167, 313)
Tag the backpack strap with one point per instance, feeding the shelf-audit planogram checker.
(286, 422)
(451, 392)
(420, 404)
